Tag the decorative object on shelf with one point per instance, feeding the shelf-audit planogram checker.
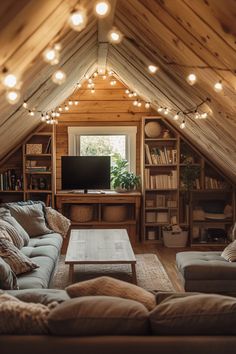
(34, 149)
(123, 180)
(189, 175)
(166, 134)
(174, 236)
(153, 129)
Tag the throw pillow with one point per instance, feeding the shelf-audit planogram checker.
(112, 287)
(42, 296)
(201, 314)
(4, 234)
(12, 233)
(99, 315)
(229, 253)
(6, 216)
(18, 262)
(57, 222)
(8, 278)
(17, 317)
(31, 218)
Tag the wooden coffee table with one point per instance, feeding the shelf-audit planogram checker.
(100, 246)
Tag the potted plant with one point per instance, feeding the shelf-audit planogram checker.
(123, 180)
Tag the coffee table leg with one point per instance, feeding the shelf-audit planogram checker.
(134, 277)
(71, 273)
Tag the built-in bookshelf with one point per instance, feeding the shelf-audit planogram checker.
(28, 173)
(178, 182)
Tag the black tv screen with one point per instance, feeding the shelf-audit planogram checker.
(85, 172)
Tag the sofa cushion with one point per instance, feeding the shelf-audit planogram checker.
(56, 221)
(40, 277)
(6, 216)
(229, 253)
(17, 317)
(205, 266)
(14, 235)
(41, 251)
(42, 296)
(18, 262)
(46, 240)
(8, 278)
(200, 314)
(112, 287)
(99, 315)
(31, 218)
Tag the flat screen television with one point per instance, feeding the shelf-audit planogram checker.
(85, 172)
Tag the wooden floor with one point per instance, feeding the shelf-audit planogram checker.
(166, 256)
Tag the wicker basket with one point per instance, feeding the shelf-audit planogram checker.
(114, 213)
(81, 213)
(172, 239)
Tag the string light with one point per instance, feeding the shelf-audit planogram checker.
(152, 69)
(191, 79)
(60, 109)
(110, 73)
(218, 87)
(182, 125)
(76, 103)
(135, 103)
(102, 8)
(139, 104)
(147, 105)
(51, 55)
(77, 20)
(104, 77)
(113, 82)
(176, 116)
(166, 111)
(31, 113)
(70, 103)
(59, 77)
(25, 104)
(93, 91)
(66, 108)
(159, 109)
(203, 115)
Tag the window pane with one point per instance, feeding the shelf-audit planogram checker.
(103, 145)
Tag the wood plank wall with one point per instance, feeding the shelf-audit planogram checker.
(108, 106)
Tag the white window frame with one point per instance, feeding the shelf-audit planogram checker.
(130, 131)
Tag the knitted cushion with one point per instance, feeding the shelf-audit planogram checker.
(12, 233)
(229, 253)
(57, 222)
(18, 262)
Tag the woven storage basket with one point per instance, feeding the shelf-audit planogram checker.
(81, 213)
(114, 213)
(175, 239)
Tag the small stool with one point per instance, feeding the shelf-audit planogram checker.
(206, 272)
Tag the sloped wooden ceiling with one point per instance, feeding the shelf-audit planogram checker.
(179, 36)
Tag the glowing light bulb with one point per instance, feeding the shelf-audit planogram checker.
(13, 96)
(191, 79)
(76, 103)
(43, 118)
(203, 115)
(135, 103)
(110, 73)
(196, 115)
(147, 105)
(78, 85)
(9, 80)
(102, 8)
(115, 36)
(60, 109)
(95, 74)
(159, 109)
(127, 91)
(77, 20)
(104, 77)
(152, 69)
(31, 113)
(92, 91)
(218, 87)
(139, 104)
(130, 94)
(135, 94)
(49, 55)
(59, 77)
(25, 104)
(70, 103)
(113, 82)
(166, 111)
(182, 125)
(66, 108)
(176, 116)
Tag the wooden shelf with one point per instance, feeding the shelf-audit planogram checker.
(38, 173)
(38, 155)
(162, 165)
(48, 191)
(159, 139)
(10, 191)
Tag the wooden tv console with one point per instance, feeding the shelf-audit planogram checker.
(104, 205)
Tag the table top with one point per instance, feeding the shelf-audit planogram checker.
(94, 246)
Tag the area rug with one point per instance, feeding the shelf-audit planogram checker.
(151, 274)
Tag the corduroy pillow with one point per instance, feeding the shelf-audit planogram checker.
(12, 233)
(199, 314)
(99, 315)
(18, 317)
(6, 216)
(57, 222)
(112, 287)
(18, 262)
(229, 253)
